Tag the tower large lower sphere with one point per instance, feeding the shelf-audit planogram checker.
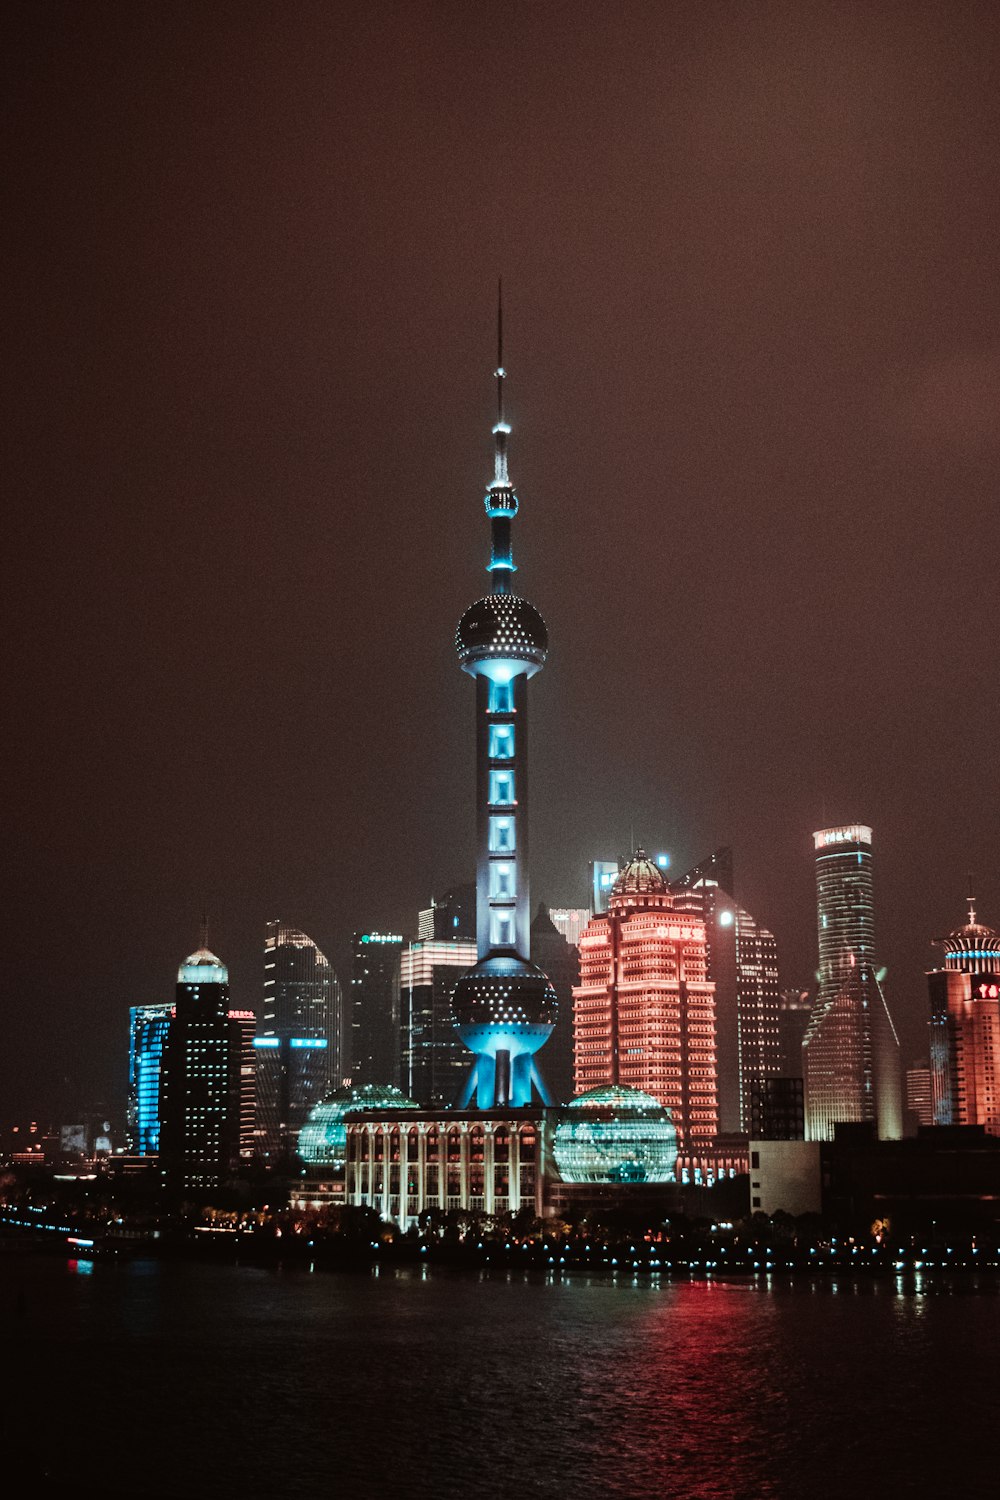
(504, 1008)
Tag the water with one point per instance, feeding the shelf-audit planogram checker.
(186, 1379)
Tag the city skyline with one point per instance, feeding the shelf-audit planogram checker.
(238, 474)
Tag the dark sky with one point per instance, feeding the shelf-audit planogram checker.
(750, 259)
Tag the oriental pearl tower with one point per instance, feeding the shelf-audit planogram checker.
(504, 1008)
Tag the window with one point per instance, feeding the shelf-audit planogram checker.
(755, 1159)
(501, 700)
(502, 840)
(501, 929)
(501, 742)
(502, 788)
(503, 882)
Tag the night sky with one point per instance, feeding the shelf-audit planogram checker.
(753, 342)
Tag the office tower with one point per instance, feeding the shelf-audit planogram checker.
(375, 1008)
(299, 1045)
(570, 922)
(454, 916)
(247, 1023)
(742, 961)
(965, 1028)
(644, 1010)
(777, 1110)
(919, 1104)
(147, 1033)
(505, 1007)
(434, 1060)
(851, 1051)
(603, 874)
(200, 1080)
(794, 1011)
(561, 961)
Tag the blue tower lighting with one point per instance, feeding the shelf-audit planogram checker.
(504, 1008)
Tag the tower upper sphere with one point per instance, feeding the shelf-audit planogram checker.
(501, 627)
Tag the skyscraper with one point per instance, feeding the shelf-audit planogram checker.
(200, 1080)
(794, 1011)
(505, 1007)
(434, 1060)
(454, 916)
(965, 1028)
(742, 959)
(570, 921)
(376, 1042)
(147, 1034)
(851, 1051)
(644, 1010)
(560, 958)
(298, 1048)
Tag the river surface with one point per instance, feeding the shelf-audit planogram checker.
(186, 1379)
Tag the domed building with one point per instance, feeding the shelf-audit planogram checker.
(615, 1134)
(965, 1027)
(323, 1138)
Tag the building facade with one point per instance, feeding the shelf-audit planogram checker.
(482, 1162)
(644, 1010)
(742, 963)
(148, 1026)
(560, 959)
(298, 1049)
(200, 1080)
(434, 1061)
(965, 1028)
(851, 1050)
(376, 1037)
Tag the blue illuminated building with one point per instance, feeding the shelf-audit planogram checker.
(147, 1034)
(298, 1050)
(504, 1007)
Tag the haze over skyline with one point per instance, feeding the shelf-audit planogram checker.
(754, 370)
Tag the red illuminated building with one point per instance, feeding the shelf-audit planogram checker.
(644, 1010)
(965, 1028)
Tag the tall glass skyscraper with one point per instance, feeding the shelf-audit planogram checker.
(434, 1060)
(298, 1047)
(147, 1034)
(851, 1051)
(743, 966)
(201, 1084)
(376, 1021)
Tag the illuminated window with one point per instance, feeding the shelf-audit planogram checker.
(501, 929)
(501, 699)
(503, 882)
(501, 742)
(502, 788)
(502, 837)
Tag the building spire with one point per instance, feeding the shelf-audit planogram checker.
(203, 938)
(971, 900)
(501, 502)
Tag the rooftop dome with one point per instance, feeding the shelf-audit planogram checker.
(504, 991)
(323, 1138)
(202, 967)
(501, 626)
(971, 946)
(615, 1134)
(640, 877)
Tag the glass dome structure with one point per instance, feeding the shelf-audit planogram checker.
(202, 967)
(323, 1138)
(615, 1134)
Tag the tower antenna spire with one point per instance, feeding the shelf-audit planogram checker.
(501, 501)
(971, 900)
(203, 939)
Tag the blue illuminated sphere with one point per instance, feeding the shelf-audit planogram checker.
(615, 1134)
(504, 1000)
(501, 627)
(323, 1138)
